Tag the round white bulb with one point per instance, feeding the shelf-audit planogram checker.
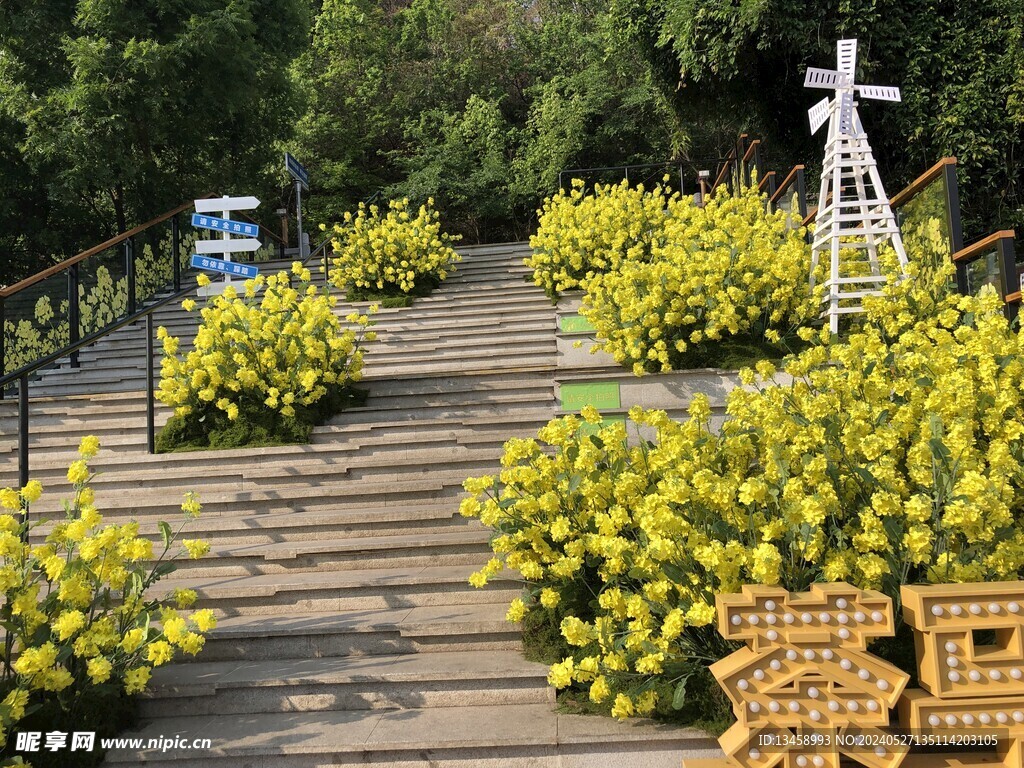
(759, 674)
(954, 677)
(934, 720)
(772, 635)
(775, 664)
(1001, 717)
(791, 655)
(774, 706)
(754, 619)
(882, 685)
(951, 661)
(801, 761)
(742, 685)
(877, 616)
(872, 706)
(1018, 716)
(806, 618)
(735, 620)
(1015, 673)
(771, 618)
(818, 761)
(844, 633)
(754, 754)
(968, 719)
(755, 707)
(853, 706)
(815, 715)
(975, 675)
(846, 664)
(833, 706)
(827, 654)
(859, 616)
(984, 718)
(994, 608)
(809, 654)
(863, 674)
(974, 608)
(824, 618)
(937, 610)
(769, 605)
(951, 720)
(794, 706)
(951, 647)
(813, 692)
(995, 674)
(955, 609)
(789, 618)
(1013, 607)
(880, 751)
(842, 618)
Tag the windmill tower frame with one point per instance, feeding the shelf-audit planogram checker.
(854, 218)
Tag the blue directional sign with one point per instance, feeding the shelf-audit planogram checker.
(227, 267)
(296, 169)
(225, 225)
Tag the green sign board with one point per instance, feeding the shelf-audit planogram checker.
(600, 394)
(575, 324)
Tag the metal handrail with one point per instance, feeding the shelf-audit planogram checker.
(22, 375)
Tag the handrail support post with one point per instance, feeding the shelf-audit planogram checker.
(74, 313)
(150, 407)
(129, 271)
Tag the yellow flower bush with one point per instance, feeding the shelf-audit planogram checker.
(581, 234)
(893, 456)
(391, 252)
(82, 625)
(275, 359)
(728, 269)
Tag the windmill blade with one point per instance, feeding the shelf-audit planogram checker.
(819, 114)
(846, 114)
(825, 78)
(846, 56)
(880, 92)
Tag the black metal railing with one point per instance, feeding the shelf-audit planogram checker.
(22, 376)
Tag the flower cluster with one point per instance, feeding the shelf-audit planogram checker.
(276, 347)
(580, 234)
(895, 456)
(76, 607)
(391, 251)
(730, 268)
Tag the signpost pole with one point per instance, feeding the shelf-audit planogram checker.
(226, 236)
(298, 218)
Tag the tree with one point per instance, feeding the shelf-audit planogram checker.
(128, 108)
(960, 66)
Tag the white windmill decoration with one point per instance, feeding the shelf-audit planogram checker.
(853, 209)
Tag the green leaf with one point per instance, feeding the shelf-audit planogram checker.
(679, 697)
(165, 532)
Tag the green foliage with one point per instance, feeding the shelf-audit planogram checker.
(960, 66)
(477, 104)
(114, 112)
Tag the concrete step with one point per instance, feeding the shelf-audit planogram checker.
(338, 591)
(463, 544)
(457, 678)
(507, 736)
(431, 629)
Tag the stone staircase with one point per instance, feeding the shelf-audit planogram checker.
(348, 632)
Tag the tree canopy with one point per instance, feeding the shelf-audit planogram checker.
(111, 111)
